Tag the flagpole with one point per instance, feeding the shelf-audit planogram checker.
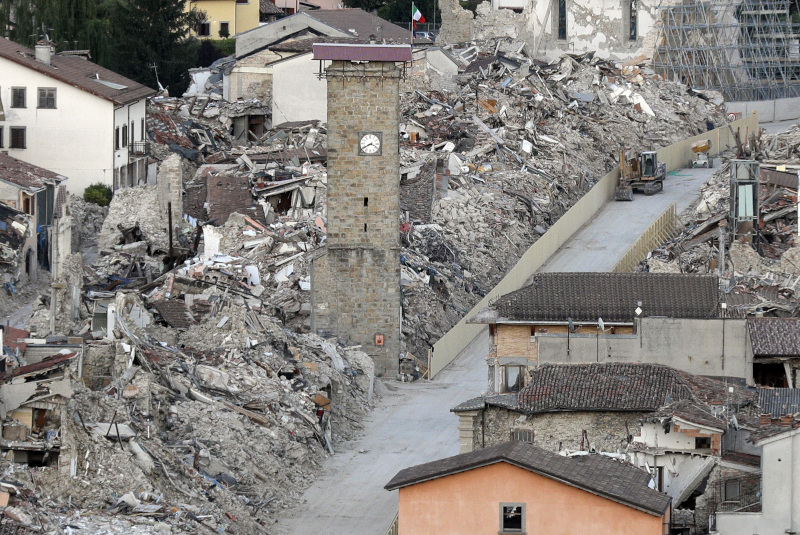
(412, 24)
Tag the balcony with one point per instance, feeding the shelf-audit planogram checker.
(137, 149)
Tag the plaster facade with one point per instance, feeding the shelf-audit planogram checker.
(239, 15)
(612, 28)
(356, 284)
(468, 503)
(298, 93)
(75, 139)
(780, 491)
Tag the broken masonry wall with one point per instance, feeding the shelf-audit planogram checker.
(140, 205)
(607, 431)
(65, 297)
(61, 240)
(713, 492)
(598, 25)
(456, 23)
(251, 77)
(169, 186)
(98, 364)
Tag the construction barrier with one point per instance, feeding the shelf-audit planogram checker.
(676, 156)
(659, 231)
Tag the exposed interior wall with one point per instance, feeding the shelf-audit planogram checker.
(602, 26)
(298, 94)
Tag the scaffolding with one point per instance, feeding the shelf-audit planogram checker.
(747, 49)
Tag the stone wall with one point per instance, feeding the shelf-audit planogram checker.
(608, 431)
(170, 186)
(417, 194)
(356, 285)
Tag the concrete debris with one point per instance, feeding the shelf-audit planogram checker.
(761, 270)
(201, 402)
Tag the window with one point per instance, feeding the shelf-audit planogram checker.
(512, 518)
(17, 137)
(125, 136)
(116, 138)
(562, 19)
(366, 201)
(522, 435)
(47, 97)
(17, 97)
(133, 137)
(512, 378)
(633, 25)
(732, 490)
(1, 137)
(242, 1)
(702, 443)
(141, 130)
(224, 30)
(204, 29)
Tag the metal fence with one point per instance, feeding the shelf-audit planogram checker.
(662, 229)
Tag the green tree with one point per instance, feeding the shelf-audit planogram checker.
(149, 42)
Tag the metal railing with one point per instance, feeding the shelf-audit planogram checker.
(393, 527)
(139, 148)
(659, 231)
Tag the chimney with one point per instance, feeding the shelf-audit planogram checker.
(43, 52)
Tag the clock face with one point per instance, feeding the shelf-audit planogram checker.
(370, 144)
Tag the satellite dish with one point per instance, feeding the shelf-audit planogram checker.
(601, 324)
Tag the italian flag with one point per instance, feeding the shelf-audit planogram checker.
(416, 16)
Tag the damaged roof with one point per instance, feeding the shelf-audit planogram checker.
(358, 23)
(268, 8)
(26, 175)
(774, 337)
(599, 475)
(779, 402)
(614, 297)
(80, 73)
(14, 226)
(602, 387)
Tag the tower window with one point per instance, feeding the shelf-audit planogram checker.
(366, 201)
(365, 227)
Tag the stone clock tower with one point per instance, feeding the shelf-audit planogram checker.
(355, 281)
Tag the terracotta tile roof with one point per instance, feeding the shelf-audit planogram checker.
(11, 337)
(306, 44)
(617, 387)
(599, 475)
(227, 193)
(24, 174)
(79, 73)
(779, 402)
(611, 296)
(602, 387)
(174, 312)
(774, 337)
(268, 8)
(364, 24)
(691, 412)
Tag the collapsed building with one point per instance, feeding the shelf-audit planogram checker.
(201, 400)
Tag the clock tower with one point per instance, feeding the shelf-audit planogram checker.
(355, 280)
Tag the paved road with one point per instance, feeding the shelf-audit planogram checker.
(602, 241)
(412, 424)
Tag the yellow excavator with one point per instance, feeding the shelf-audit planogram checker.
(641, 172)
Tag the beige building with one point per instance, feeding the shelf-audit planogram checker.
(225, 18)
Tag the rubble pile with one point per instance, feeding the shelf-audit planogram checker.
(764, 272)
(514, 145)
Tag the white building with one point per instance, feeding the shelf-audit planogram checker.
(71, 116)
(780, 490)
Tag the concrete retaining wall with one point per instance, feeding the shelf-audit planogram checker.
(676, 156)
(781, 109)
(662, 229)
